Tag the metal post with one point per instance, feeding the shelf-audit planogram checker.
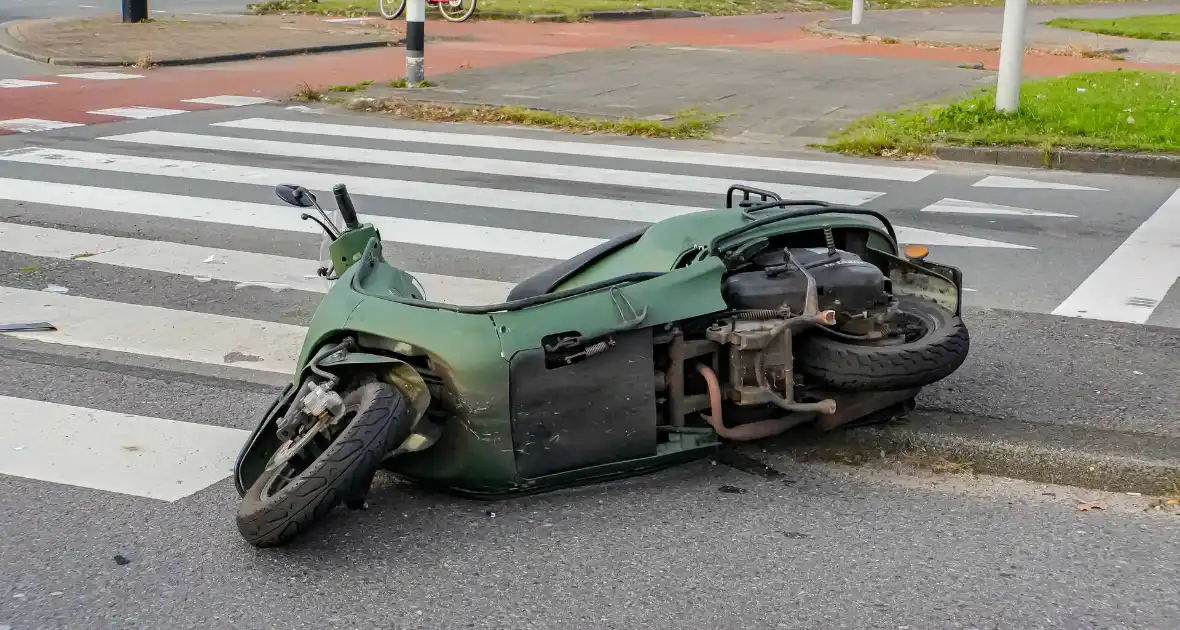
(415, 42)
(135, 10)
(858, 11)
(1011, 56)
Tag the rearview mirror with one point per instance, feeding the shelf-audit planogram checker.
(295, 195)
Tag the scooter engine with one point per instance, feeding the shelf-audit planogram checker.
(845, 283)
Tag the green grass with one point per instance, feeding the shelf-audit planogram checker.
(572, 8)
(1119, 110)
(1159, 27)
(880, 5)
(688, 123)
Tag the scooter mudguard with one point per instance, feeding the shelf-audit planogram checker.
(262, 442)
(250, 462)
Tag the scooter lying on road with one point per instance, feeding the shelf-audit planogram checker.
(645, 351)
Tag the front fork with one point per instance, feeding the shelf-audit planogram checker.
(312, 405)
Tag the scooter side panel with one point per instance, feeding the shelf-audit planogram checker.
(597, 411)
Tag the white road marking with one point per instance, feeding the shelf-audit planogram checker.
(918, 236)
(962, 206)
(229, 100)
(138, 113)
(247, 268)
(114, 452)
(279, 216)
(616, 151)
(31, 125)
(102, 76)
(506, 199)
(23, 83)
(154, 331)
(997, 181)
(400, 230)
(487, 166)
(1134, 279)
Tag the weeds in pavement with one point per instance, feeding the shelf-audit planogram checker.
(307, 94)
(350, 88)
(402, 83)
(1119, 110)
(685, 124)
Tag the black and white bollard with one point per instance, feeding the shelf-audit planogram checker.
(135, 11)
(415, 42)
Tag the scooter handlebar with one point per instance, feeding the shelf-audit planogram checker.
(344, 203)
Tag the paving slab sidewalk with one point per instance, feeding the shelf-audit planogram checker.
(183, 39)
(982, 27)
(767, 96)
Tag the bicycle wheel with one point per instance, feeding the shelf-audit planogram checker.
(386, 13)
(459, 15)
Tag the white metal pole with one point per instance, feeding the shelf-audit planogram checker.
(858, 11)
(415, 42)
(1011, 56)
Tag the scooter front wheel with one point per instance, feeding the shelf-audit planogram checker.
(287, 499)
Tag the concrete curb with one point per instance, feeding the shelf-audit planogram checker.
(1097, 459)
(1121, 163)
(19, 48)
(817, 28)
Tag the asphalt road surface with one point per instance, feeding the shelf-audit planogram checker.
(180, 286)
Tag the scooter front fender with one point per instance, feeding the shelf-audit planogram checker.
(251, 459)
(262, 442)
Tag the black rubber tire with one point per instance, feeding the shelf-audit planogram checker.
(382, 420)
(828, 361)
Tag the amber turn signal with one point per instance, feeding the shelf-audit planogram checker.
(916, 252)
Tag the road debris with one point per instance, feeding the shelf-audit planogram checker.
(55, 288)
(28, 327)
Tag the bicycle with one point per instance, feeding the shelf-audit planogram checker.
(441, 4)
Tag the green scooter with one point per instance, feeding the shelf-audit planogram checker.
(648, 350)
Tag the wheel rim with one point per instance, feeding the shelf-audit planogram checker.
(310, 449)
(447, 5)
(385, 12)
(914, 325)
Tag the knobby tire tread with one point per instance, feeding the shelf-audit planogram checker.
(347, 465)
(888, 368)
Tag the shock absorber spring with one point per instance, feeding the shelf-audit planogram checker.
(596, 348)
(830, 241)
(758, 314)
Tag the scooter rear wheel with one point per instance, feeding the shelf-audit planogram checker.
(932, 356)
(288, 499)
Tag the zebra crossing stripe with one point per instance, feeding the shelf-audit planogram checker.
(154, 331)
(504, 199)
(209, 263)
(134, 455)
(588, 149)
(486, 166)
(278, 216)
